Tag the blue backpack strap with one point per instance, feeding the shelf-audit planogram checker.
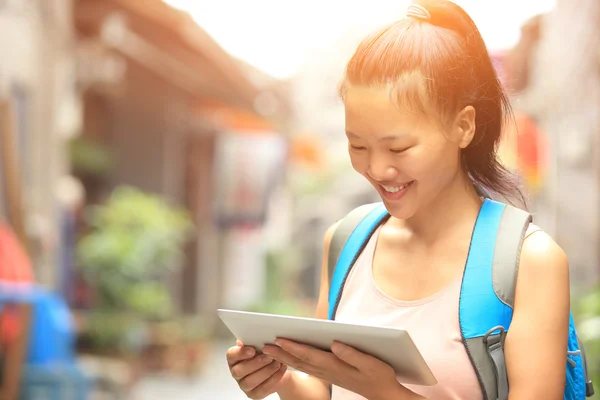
(477, 287)
(343, 231)
(361, 222)
(487, 293)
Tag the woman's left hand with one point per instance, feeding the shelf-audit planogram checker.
(345, 367)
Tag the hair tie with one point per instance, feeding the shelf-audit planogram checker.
(417, 11)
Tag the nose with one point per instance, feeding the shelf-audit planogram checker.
(381, 170)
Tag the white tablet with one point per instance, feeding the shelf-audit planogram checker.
(394, 346)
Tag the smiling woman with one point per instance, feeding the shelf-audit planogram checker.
(424, 110)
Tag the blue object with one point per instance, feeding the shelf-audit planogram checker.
(50, 371)
(480, 308)
(51, 334)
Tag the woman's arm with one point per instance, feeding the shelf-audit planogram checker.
(536, 344)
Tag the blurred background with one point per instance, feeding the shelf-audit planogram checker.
(162, 159)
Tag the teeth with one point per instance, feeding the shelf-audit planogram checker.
(394, 189)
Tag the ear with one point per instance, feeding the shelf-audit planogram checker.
(464, 126)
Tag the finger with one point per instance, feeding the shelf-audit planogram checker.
(236, 354)
(351, 356)
(239, 343)
(286, 358)
(304, 353)
(253, 380)
(321, 371)
(268, 386)
(247, 367)
(278, 354)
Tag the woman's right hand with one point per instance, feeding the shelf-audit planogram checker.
(258, 375)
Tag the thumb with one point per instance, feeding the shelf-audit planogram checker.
(348, 354)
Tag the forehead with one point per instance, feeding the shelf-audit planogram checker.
(372, 111)
(362, 100)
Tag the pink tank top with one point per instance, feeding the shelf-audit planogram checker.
(431, 322)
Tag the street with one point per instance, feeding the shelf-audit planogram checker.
(214, 383)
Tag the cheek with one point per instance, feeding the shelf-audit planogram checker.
(419, 164)
(436, 164)
(360, 163)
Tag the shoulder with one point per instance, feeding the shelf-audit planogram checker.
(540, 248)
(542, 259)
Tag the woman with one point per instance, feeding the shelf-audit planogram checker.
(424, 113)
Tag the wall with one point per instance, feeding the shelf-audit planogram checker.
(37, 71)
(564, 95)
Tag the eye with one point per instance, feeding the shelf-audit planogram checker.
(357, 148)
(398, 151)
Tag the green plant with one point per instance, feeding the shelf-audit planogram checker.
(90, 157)
(134, 241)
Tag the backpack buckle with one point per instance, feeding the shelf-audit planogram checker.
(494, 339)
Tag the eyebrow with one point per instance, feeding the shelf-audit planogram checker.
(385, 138)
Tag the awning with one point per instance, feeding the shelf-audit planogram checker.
(169, 43)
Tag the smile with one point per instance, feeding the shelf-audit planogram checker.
(394, 192)
(395, 189)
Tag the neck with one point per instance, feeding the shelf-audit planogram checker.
(456, 205)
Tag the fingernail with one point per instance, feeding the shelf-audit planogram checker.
(266, 358)
(267, 351)
(249, 351)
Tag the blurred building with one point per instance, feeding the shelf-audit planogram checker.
(38, 79)
(162, 98)
(555, 72)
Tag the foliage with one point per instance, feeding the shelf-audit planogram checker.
(134, 241)
(89, 157)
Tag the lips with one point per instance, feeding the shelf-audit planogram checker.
(394, 191)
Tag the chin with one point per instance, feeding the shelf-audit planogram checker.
(399, 210)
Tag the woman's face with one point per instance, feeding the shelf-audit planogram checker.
(407, 157)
